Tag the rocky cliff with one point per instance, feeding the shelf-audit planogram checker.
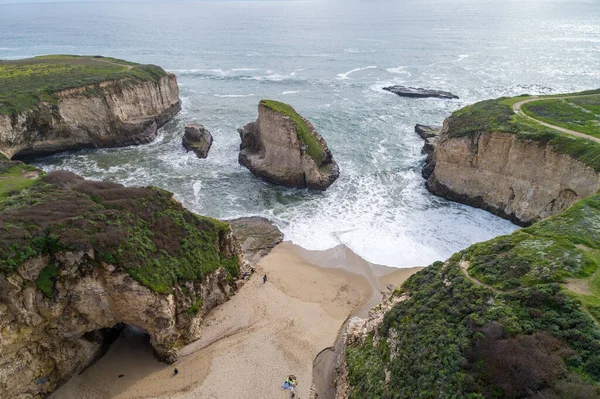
(284, 148)
(513, 169)
(123, 108)
(78, 259)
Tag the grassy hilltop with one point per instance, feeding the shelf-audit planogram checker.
(25, 82)
(140, 230)
(579, 112)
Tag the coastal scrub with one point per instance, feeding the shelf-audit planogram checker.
(506, 318)
(143, 231)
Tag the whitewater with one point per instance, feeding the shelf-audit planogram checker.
(329, 60)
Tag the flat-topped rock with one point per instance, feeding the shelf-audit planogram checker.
(198, 139)
(427, 132)
(417, 92)
(257, 236)
(95, 102)
(284, 148)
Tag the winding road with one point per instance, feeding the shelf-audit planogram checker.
(517, 108)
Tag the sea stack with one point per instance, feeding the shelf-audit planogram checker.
(284, 148)
(198, 139)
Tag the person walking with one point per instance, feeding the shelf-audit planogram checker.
(264, 278)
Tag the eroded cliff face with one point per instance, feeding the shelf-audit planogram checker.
(78, 258)
(520, 180)
(44, 341)
(272, 149)
(111, 114)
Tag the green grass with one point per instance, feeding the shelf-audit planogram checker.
(26, 82)
(313, 146)
(498, 116)
(568, 114)
(14, 177)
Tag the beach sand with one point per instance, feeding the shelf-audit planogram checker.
(252, 342)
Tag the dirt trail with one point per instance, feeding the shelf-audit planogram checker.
(517, 108)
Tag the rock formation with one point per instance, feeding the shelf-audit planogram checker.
(78, 258)
(257, 236)
(111, 114)
(197, 139)
(284, 148)
(431, 135)
(512, 177)
(417, 92)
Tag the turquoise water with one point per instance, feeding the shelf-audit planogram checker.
(329, 59)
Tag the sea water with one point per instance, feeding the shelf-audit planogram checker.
(329, 60)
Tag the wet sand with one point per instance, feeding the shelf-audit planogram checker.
(251, 343)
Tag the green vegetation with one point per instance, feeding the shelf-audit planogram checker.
(46, 279)
(140, 230)
(16, 176)
(578, 114)
(26, 82)
(313, 146)
(196, 307)
(498, 116)
(525, 331)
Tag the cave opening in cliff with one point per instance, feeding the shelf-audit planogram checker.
(123, 340)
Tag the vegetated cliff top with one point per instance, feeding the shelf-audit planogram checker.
(314, 148)
(143, 231)
(579, 112)
(25, 82)
(517, 316)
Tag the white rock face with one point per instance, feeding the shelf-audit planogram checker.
(522, 180)
(271, 148)
(116, 114)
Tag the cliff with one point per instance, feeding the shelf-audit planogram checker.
(514, 317)
(490, 157)
(284, 148)
(57, 103)
(78, 259)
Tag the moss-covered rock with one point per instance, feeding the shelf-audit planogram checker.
(284, 148)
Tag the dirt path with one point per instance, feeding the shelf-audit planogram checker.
(517, 108)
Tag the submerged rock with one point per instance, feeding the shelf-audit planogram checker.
(198, 139)
(284, 148)
(417, 92)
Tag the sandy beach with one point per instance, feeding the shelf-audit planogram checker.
(252, 342)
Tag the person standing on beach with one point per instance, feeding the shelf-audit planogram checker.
(264, 278)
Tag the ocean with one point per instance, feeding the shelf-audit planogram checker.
(329, 60)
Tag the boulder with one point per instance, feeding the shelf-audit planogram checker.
(257, 236)
(430, 134)
(417, 92)
(285, 149)
(198, 139)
